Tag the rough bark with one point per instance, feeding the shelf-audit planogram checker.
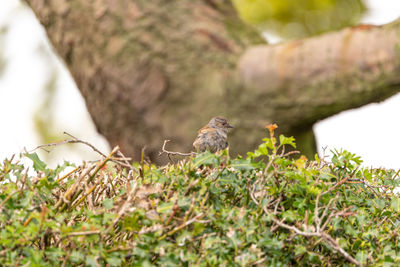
(155, 70)
(308, 80)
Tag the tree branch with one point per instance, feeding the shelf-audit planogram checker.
(169, 153)
(328, 73)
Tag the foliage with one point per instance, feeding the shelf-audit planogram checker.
(210, 210)
(293, 18)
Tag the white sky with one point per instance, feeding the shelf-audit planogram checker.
(27, 71)
(29, 61)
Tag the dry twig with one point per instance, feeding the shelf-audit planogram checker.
(319, 229)
(169, 153)
(123, 161)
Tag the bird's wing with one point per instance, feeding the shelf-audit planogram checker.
(206, 139)
(205, 128)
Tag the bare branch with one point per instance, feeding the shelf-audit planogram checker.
(319, 231)
(95, 232)
(336, 185)
(336, 246)
(131, 196)
(123, 161)
(169, 153)
(86, 143)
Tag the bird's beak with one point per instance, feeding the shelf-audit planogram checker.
(230, 126)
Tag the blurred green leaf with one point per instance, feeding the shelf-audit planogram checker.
(206, 158)
(287, 141)
(396, 204)
(108, 203)
(165, 207)
(295, 19)
(91, 261)
(114, 260)
(38, 165)
(243, 164)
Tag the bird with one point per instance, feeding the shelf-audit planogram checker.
(213, 136)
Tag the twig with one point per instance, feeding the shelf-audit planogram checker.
(4, 251)
(15, 192)
(77, 202)
(325, 236)
(86, 143)
(290, 153)
(66, 259)
(75, 140)
(336, 185)
(131, 196)
(316, 213)
(194, 219)
(125, 160)
(397, 173)
(327, 207)
(68, 174)
(7, 198)
(371, 187)
(174, 211)
(163, 150)
(319, 232)
(255, 263)
(64, 199)
(101, 164)
(336, 246)
(120, 248)
(94, 232)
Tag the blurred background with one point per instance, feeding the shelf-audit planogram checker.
(39, 100)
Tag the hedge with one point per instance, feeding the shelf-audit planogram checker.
(270, 207)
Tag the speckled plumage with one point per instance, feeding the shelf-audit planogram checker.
(213, 136)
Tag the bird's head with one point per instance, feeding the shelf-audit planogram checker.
(219, 122)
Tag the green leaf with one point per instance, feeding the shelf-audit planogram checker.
(131, 222)
(289, 215)
(268, 143)
(243, 164)
(362, 256)
(114, 260)
(90, 261)
(38, 165)
(287, 141)
(396, 204)
(198, 228)
(108, 203)
(300, 250)
(165, 207)
(313, 190)
(205, 158)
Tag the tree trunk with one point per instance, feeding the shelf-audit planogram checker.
(155, 70)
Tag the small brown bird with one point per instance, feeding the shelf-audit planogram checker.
(213, 136)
